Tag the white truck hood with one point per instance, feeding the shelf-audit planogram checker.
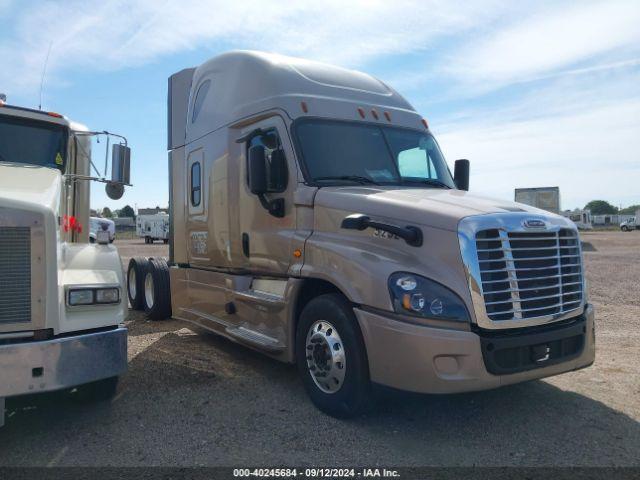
(29, 187)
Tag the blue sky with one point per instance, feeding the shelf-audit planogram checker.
(533, 93)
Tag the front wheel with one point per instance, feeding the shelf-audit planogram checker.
(331, 357)
(624, 228)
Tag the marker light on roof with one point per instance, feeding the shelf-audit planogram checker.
(361, 112)
(303, 105)
(54, 114)
(374, 113)
(387, 116)
(424, 122)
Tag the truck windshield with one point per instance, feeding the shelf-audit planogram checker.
(339, 153)
(32, 142)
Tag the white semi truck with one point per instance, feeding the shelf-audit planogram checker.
(61, 298)
(631, 224)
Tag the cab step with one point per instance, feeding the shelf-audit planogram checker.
(255, 339)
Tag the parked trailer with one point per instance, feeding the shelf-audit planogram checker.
(61, 305)
(153, 227)
(315, 219)
(582, 218)
(545, 198)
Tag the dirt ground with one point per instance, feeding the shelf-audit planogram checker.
(191, 398)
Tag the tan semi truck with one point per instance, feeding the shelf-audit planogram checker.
(314, 218)
(61, 298)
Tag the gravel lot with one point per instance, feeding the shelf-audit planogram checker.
(196, 399)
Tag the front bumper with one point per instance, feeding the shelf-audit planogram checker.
(42, 366)
(434, 360)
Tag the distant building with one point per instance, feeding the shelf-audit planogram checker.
(152, 211)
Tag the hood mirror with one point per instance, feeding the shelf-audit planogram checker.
(115, 191)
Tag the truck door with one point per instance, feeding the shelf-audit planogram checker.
(266, 238)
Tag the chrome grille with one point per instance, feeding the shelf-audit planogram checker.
(525, 275)
(15, 275)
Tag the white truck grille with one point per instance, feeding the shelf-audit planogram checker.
(525, 275)
(15, 275)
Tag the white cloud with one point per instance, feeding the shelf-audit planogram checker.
(552, 39)
(589, 153)
(117, 34)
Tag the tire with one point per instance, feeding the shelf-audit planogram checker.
(165, 241)
(147, 240)
(99, 391)
(92, 240)
(157, 294)
(330, 321)
(138, 267)
(624, 228)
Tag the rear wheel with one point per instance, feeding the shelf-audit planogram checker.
(136, 272)
(157, 294)
(331, 357)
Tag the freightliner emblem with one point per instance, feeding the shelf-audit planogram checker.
(534, 223)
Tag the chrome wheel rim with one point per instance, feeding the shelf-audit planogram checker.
(148, 290)
(132, 283)
(326, 359)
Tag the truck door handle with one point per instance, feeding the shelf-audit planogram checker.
(410, 234)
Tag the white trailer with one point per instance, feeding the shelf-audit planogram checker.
(544, 198)
(153, 227)
(582, 218)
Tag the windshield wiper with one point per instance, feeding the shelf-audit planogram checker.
(352, 178)
(427, 181)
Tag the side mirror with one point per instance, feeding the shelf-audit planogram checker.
(461, 174)
(120, 164)
(257, 166)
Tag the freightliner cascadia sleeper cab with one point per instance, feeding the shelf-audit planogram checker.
(314, 218)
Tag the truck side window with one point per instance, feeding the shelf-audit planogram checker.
(199, 101)
(196, 189)
(277, 162)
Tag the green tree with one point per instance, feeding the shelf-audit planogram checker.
(630, 210)
(107, 213)
(601, 207)
(127, 211)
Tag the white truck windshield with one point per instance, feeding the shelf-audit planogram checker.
(32, 142)
(335, 153)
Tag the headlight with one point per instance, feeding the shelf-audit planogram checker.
(108, 295)
(80, 297)
(91, 296)
(415, 295)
